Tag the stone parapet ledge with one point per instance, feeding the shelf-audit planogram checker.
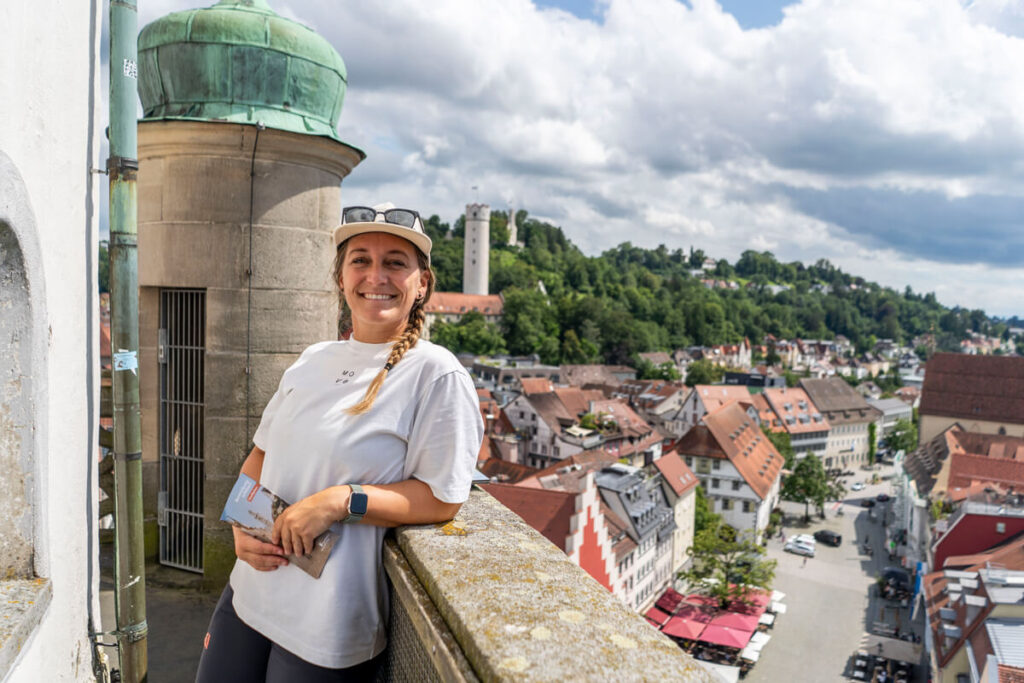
(23, 603)
(520, 610)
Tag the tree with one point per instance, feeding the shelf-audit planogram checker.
(728, 564)
(782, 444)
(703, 517)
(807, 484)
(104, 267)
(645, 369)
(703, 372)
(472, 334)
(903, 437)
(872, 442)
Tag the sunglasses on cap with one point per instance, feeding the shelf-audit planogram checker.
(364, 214)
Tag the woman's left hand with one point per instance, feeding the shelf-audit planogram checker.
(297, 527)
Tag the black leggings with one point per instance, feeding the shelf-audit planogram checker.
(232, 651)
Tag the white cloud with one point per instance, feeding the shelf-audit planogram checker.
(668, 123)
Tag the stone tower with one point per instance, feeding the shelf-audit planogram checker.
(477, 250)
(240, 167)
(513, 229)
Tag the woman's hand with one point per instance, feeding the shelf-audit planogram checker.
(261, 556)
(297, 527)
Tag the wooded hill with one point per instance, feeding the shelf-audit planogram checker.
(607, 308)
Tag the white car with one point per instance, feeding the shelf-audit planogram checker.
(857, 486)
(799, 548)
(806, 539)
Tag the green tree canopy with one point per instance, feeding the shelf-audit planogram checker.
(807, 483)
(703, 372)
(727, 564)
(903, 436)
(471, 334)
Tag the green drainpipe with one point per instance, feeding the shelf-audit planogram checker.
(122, 170)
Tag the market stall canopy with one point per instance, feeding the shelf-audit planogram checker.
(744, 622)
(678, 627)
(669, 600)
(891, 648)
(698, 613)
(695, 599)
(657, 616)
(725, 636)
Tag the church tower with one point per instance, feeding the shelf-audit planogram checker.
(476, 251)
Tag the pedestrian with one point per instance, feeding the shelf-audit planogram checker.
(377, 430)
(805, 561)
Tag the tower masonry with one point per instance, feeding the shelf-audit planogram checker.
(476, 252)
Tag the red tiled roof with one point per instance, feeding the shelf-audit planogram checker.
(577, 401)
(677, 475)
(459, 303)
(969, 387)
(732, 432)
(547, 511)
(791, 397)
(1009, 555)
(507, 472)
(1010, 674)
(966, 469)
(713, 396)
(105, 341)
(536, 385)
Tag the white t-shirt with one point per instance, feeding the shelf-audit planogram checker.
(425, 424)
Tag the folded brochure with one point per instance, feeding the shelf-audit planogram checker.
(253, 509)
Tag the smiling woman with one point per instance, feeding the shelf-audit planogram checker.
(376, 430)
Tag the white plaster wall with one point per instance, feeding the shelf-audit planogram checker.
(48, 106)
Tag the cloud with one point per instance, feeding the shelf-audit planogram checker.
(869, 132)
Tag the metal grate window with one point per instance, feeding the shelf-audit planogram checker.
(181, 352)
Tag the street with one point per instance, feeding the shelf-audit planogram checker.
(830, 599)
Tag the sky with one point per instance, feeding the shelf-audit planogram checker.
(883, 135)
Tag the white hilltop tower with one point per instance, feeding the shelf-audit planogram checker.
(477, 250)
(512, 227)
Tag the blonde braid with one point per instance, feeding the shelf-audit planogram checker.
(409, 337)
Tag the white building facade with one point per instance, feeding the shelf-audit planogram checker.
(49, 328)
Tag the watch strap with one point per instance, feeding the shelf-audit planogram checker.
(355, 517)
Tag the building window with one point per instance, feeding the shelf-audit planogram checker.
(689, 460)
(714, 483)
(716, 464)
(736, 485)
(747, 506)
(726, 504)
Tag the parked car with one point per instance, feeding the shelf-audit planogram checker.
(806, 539)
(882, 497)
(829, 537)
(867, 503)
(799, 548)
(857, 486)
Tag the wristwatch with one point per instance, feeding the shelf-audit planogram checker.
(356, 505)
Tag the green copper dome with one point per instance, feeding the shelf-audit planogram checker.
(238, 61)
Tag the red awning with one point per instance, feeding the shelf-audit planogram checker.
(695, 599)
(678, 627)
(669, 601)
(657, 616)
(698, 613)
(723, 635)
(732, 620)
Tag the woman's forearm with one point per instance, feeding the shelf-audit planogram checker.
(406, 502)
(253, 465)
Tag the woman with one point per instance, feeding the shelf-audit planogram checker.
(375, 431)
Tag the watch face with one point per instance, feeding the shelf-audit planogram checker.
(357, 504)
